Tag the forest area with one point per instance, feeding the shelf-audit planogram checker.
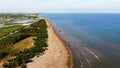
(38, 30)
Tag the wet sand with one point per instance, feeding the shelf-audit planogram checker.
(58, 54)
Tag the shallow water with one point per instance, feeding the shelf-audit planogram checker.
(93, 38)
(23, 21)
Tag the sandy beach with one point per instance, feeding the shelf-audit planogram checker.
(57, 56)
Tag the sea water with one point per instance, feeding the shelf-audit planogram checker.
(94, 37)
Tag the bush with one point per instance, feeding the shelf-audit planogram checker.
(23, 66)
(39, 30)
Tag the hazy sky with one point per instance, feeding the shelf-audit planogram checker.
(59, 5)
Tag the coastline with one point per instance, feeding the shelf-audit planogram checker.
(70, 61)
(58, 54)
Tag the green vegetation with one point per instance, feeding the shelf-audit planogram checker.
(8, 23)
(19, 46)
(37, 30)
(9, 41)
(23, 44)
(6, 30)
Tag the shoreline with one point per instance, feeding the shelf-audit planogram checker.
(70, 61)
(57, 55)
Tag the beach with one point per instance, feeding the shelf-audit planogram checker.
(57, 55)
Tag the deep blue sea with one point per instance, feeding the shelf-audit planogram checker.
(94, 38)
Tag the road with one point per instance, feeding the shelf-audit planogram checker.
(12, 33)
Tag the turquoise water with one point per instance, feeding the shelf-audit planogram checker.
(94, 37)
(24, 21)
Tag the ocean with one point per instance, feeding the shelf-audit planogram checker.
(94, 38)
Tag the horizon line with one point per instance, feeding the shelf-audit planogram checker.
(60, 12)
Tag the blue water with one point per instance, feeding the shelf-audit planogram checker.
(98, 31)
(23, 21)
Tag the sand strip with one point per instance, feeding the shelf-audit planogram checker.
(58, 54)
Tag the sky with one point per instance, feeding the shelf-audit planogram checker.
(46, 6)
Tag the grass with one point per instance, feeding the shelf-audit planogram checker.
(20, 46)
(8, 23)
(6, 30)
(26, 43)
